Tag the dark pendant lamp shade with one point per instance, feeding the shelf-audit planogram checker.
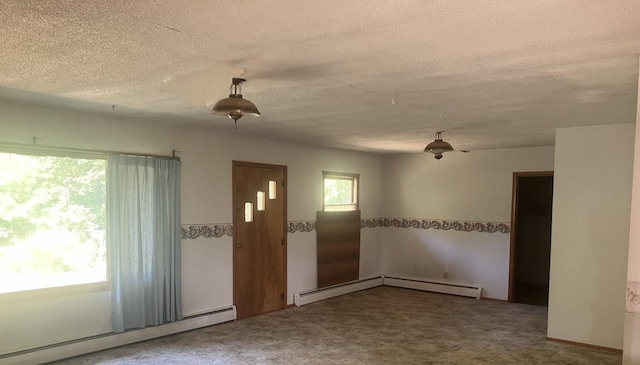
(235, 106)
(438, 147)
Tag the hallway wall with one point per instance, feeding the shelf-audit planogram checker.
(590, 234)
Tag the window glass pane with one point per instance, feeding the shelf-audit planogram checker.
(52, 221)
(272, 189)
(338, 191)
(260, 200)
(248, 212)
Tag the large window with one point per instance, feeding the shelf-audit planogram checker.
(52, 221)
(340, 191)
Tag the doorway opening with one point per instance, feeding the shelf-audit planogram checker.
(259, 238)
(531, 217)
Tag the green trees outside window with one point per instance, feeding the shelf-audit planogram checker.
(340, 191)
(52, 221)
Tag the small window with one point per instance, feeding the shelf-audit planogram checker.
(340, 191)
(272, 189)
(260, 203)
(248, 212)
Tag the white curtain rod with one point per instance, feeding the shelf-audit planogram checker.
(35, 146)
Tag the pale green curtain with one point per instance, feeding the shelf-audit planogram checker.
(143, 208)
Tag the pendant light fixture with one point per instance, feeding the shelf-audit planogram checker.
(438, 147)
(235, 106)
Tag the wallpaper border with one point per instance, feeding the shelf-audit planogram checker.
(633, 296)
(218, 230)
(441, 224)
(301, 226)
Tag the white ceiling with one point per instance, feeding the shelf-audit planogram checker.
(378, 76)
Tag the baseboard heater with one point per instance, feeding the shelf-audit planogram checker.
(437, 286)
(315, 295)
(103, 342)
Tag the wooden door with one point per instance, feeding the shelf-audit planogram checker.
(259, 238)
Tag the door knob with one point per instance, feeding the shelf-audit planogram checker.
(239, 245)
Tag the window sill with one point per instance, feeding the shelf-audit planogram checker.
(60, 291)
(341, 208)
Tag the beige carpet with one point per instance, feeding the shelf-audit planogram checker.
(377, 326)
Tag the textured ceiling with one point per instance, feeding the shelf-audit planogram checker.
(378, 76)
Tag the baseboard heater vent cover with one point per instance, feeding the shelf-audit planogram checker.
(314, 295)
(435, 286)
(103, 342)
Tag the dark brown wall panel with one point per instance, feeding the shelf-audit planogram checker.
(338, 242)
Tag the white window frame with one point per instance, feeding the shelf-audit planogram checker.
(71, 289)
(354, 204)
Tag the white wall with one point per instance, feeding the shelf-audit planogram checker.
(28, 321)
(473, 186)
(631, 354)
(590, 234)
(206, 198)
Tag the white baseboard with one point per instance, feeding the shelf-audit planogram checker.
(314, 295)
(81, 347)
(438, 286)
